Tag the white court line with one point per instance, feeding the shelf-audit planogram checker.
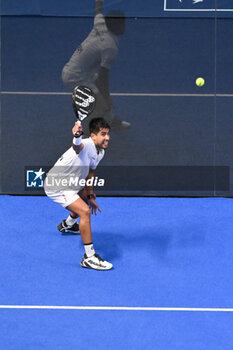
(116, 94)
(33, 93)
(171, 95)
(115, 308)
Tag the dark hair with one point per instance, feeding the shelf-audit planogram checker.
(96, 124)
(115, 22)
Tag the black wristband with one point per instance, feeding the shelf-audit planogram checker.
(89, 196)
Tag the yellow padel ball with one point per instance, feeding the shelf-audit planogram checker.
(200, 81)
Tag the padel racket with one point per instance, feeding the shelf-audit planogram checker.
(83, 101)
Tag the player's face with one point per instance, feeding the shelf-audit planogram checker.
(101, 140)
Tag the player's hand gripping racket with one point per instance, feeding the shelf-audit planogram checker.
(83, 101)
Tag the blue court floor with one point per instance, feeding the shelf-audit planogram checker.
(171, 286)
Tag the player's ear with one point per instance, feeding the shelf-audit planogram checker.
(93, 136)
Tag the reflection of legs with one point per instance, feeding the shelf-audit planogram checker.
(103, 106)
(69, 79)
(102, 109)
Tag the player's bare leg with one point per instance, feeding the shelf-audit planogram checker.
(70, 225)
(80, 208)
(90, 259)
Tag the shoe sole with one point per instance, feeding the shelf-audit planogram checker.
(95, 268)
(74, 232)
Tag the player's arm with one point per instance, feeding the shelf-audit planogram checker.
(77, 140)
(89, 189)
(91, 195)
(98, 7)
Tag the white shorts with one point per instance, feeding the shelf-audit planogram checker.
(64, 198)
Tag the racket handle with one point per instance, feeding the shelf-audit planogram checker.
(78, 133)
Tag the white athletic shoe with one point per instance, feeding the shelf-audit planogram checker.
(95, 262)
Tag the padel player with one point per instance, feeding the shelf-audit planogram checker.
(90, 63)
(82, 159)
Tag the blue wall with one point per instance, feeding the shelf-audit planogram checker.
(182, 126)
(136, 8)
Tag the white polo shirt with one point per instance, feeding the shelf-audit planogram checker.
(71, 166)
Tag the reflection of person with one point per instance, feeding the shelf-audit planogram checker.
(82, 159)
(92, 60)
